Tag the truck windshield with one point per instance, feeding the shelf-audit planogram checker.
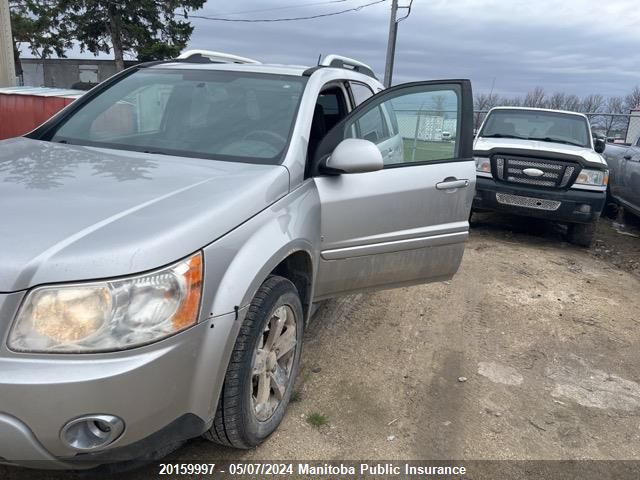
(233, 116)
(544, 126)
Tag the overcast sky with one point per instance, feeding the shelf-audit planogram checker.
(575, 46)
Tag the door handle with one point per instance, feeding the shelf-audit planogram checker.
(627, 157)
(451, 184)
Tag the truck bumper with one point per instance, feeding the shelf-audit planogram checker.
(164, 393)
(570, 206)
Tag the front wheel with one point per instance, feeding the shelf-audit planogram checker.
(582, 234)
(263, 367)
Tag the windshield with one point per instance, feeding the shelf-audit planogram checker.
(537, 125)
(234, 116)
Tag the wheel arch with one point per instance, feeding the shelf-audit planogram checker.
(298, 268)
(283, 240)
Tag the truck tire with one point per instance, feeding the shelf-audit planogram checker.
(262, 369)
(582, 233)
(611, 208)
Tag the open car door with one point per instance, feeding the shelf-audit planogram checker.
(405, 221)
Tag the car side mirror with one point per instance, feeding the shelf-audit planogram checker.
(599, 145)
(353, 155)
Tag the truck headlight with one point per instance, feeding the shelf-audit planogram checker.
(109, 315)
(593, 177)
(483, 164)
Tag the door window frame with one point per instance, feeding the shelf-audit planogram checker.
(464, 133)
(352, 97)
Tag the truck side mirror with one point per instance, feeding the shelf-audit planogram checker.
(599, 145)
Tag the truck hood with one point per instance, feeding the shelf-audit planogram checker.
(74, 213)
(587, 154)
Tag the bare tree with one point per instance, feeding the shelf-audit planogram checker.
(482, 103)
(511, 102)
(557, 100)
(571, 103)
(592, 103)
(614, 105)
(535, 98)
(632, 101)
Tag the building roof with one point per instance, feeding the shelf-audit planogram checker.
(41, 92)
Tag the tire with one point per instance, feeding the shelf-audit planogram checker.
(611, 210)
(241, 420)
(611, 207)
(582, 233)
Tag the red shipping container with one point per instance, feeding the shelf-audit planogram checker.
(24, 108)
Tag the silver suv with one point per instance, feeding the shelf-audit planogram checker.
(165, 237)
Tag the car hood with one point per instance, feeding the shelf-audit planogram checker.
(589, 155)
(73, 213)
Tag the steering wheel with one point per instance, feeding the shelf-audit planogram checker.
(270, 137)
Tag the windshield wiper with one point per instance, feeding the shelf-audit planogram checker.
(503, 135)
(555, 140)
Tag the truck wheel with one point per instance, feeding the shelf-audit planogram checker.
(262, 369)
(611, 208)
(582, 233)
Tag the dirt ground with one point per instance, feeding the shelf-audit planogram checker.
(530, 352)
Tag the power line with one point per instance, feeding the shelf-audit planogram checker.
(267, 20)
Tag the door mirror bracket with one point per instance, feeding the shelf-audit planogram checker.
(352, 155)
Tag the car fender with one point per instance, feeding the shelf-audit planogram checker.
(238, 263)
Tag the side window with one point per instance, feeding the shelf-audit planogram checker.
(330, 108)
(360, 92)
(371, 126)
(412, 128)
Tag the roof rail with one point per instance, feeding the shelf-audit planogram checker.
(338, 61)
(209, 56)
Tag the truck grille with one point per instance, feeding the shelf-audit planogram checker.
(555, 173)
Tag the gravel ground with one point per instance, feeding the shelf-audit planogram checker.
(530, 352)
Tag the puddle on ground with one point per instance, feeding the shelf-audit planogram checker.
(590, 387)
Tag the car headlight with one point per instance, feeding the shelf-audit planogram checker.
(110, 315)
(593, 177)
(483, 164)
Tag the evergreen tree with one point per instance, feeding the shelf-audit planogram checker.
(148, 29)
(40, 26)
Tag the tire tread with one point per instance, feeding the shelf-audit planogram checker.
(226, 428)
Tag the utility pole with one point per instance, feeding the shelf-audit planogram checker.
(7, 67)
(391, 44)
(393, 34)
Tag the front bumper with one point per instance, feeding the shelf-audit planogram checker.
(165, 392)
(576, 206)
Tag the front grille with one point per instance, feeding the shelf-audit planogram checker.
(528, 202)
(555, 173)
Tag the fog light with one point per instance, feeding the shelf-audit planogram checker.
(92, 431)
(584, 208)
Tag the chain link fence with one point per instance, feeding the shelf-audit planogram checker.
(428, 125)
(616, 127)
(427, 134)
